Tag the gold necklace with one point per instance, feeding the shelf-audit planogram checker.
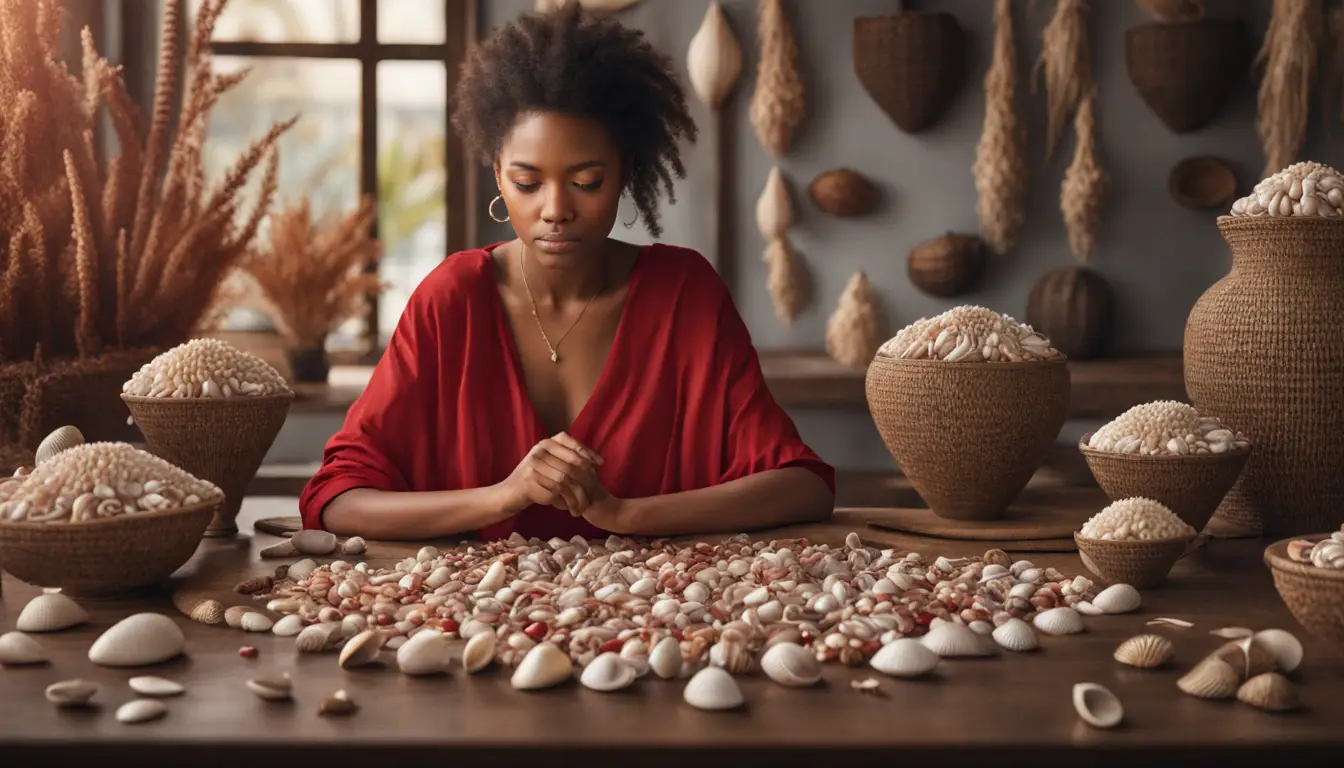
(555, 348)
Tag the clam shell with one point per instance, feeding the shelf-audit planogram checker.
(361, 649)
(1145, 651)
(1059, 621)
(665, 659)
(71, 693)
(426, 653)
(1212, 678)
(1269, 691)
(712, 688)
(1087, 609)
(301, 570)
(17, 649)
(791, 665)
(949, 639)
(313, 542)
(479, 651)
(61, 439)
(1283, 646)
(355, 545)
(149, 685)
(543, 666)
(256, 622)
(1248, 657)
(316, 638)
(608, 672)
(207, 612)
(233, 615)
(287, 626)
(1097, 706)
(138, 640)
(272, 689)
(1118, 598)
(50, 613)
(141, 710)
(1016, 635)
(338, 703)
(905, 657)
(283, 548)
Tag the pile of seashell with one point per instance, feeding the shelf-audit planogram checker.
(969, 334)
(1327, 553)
(98, 480)
(1166, 428)
(1251, 669)
(1303, 189)
(205, 368)
(1135, 519)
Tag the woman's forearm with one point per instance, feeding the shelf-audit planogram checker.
(388, 515)
(777, 497)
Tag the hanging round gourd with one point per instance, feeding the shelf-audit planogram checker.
(911, 63)
(843, 192)
(1203, 183)
(1074, 307)
(948, 265)
(1186, 71)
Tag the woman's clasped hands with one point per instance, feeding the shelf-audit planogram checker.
(561, 472)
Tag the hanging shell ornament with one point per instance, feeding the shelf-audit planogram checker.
(63, 438)
(858, 326)
(774, 211)
(714, 58)
(777, 105)
(788, 283)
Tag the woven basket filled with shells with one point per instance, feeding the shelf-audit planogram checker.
(968, 403)
(214, 411)
(1134, 541)
(1309, 575)
(102, 519)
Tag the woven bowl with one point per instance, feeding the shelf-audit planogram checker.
(1191, 486)
(1140, 564)
(968, 435)
(220, 439)
(1315, 596)
(101, 558)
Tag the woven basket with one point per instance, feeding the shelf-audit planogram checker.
(1192, 486)
(1315, 596)
(1140, 564)
(911, 64)
(1264, 355)
(100, 558)
(968, 435)
(222, 440)
(1186, 71)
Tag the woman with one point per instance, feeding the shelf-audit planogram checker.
(564, 382)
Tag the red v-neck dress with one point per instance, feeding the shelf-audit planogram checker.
(681, 403)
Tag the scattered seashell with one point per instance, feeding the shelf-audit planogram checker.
(256, 622)
(311, 541)
(355, 545)
(1097, 706)
(1269, 691)
(905, 657)
(479, 652)
(951, 640)
(141, 710)
(543, 666)
(207, 612)
(608, 672)
(18, 649)
(316, 638)
(256, 584)
(50, 613)
(71, 693)
(665, 659)
(868, 685)
(1059, 621)
(1170, 622)
(494, 577)
(338, 703)
(426, 653)
(791, 665)
(233, 616)
(149, 685)
(1248, 657)
(1212, 678)
(287, 626)
(272, 689)
(283, 548)
(1118, 598)
(1086, 608)
(138, 640)
(1283, 646)
(302, 569)
(1016, 635)
(1232, 633)
(712, 688)
(1145, 651)
(362, 649)
(62, 438)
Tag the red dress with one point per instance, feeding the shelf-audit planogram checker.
(680, 405)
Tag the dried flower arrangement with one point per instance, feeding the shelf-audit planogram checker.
(1000, 168)
(1289, 57)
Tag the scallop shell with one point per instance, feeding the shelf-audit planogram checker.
(665, 659)
(1016, 635)
(1269, 691)
(141, 710)
(479, 651)
(362, 649)
(256, 622)
(1212, 678)
(61, 439)
(338, 703)
(1283, 646)
(287, 626)
(50, 613)
(71, 693)
(905, 657)
(608, 672)
(207, 612)
(150, 685)
(1097, 706)
(1145, 651)
(1118, 598)
(949, 639)
(543, 667)
(1248, 657)
(791, 665)
(426, 653)
(316, 638)
(355, 545)
(313, 542)
(283, 548)
(18, 649)
(138, 640)
(1059, 621)
(272, 689)
(713, 689)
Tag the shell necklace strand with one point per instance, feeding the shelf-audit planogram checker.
(555, 348)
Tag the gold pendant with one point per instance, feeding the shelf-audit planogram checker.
(555, 356)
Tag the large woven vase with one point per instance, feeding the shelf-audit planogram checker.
(1264, 353)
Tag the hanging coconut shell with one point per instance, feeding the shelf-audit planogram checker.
(843, 192)
(1074, 308)
(948, 265)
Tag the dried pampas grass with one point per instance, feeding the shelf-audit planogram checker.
(1066, 60)
(789, 286)
(1000, 168)
(777, 105)
(1288, 58)
(857, 327)
(1081, 194)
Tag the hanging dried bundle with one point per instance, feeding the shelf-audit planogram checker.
(312, 277)
(777, 103)
(790, 289)
(128, 256)
(1288, 59)
(1066, 60)
(858, 326)
(1080, 196)
(1000, 168)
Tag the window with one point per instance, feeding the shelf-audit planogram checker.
(371, 79)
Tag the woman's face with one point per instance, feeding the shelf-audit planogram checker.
(560, 176)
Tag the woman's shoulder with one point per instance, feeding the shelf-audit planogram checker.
(455, 281)
(686, 267)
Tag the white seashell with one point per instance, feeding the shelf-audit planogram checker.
(1016, 635)
(1283, 646)
(272, 689)
(1059, 621)
(479, 651)
(71, 693)
(905, 657)
(141, 710)
(1232, 633)
(712, 688)
(493, 579)
(1145, 651)
(287, 626)
(1087, 609)
(138, 640)
(1118, 598)
(981, 627)
(1211, 678)
(316, 638)
(302, 569)
(884, 586)
(149, 685)
(361, 649)
(774, 212)
(791, 665)
(17, 649)
(283, 548)
(61, 439)
(608, 672)
(665, 659)
(714, 58)
(355, 545)
(1097, 706)
(695, 592)
(950, 640)
(426, 653)
(50, 613)
(313, 542)
(256, 622)
(543, 666)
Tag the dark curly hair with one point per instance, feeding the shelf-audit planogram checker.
(588, 65)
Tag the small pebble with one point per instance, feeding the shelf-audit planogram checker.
(248, 652)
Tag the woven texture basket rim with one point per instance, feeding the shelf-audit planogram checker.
(1135, 543)
(998, 366)
(1228, 222)
(1281, 562)
(106, 522)
(290, 395)
(1189, 458)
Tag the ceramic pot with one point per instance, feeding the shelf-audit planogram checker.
(309, 365)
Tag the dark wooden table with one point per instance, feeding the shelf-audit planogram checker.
(1014, 709)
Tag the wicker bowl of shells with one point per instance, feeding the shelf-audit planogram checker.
(1134, 541)
(1309, 576)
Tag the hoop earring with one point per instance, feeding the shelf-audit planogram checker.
(631, 223)
(491, 210)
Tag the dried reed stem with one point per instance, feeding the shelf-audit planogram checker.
(1000, 168)
(1066, 60)
(1288, 58)
(1084, 187)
